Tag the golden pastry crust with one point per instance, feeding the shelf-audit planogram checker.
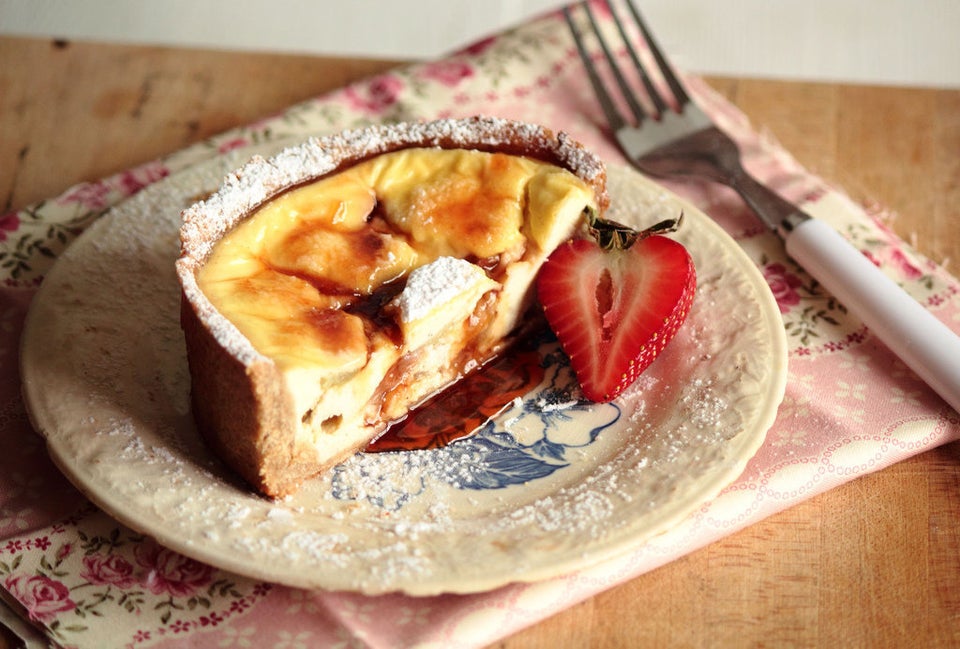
(241, 403)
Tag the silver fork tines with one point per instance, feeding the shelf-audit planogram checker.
(673, 137)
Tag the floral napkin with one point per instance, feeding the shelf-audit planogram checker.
(84, 580)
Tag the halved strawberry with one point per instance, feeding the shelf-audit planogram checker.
(615, 309)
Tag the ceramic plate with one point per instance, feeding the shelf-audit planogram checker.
(552, 485)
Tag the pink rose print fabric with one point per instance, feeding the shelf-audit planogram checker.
(784, 285)
(376, 97)
(171, 573)
(447, 73)
(86, 581)
(108, 570)
(43, 597)
(8, 223)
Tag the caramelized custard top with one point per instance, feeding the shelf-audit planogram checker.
(309, 276)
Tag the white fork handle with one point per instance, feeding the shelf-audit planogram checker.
(911, 332)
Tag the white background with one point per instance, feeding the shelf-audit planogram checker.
(900, 42)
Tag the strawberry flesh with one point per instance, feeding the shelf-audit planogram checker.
(614, 311)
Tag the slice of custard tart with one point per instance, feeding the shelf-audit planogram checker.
(332, 288)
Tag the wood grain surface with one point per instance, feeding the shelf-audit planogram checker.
(874, 563)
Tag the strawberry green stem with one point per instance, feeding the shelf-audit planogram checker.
(611, 235)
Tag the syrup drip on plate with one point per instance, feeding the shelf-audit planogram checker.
(467, 405)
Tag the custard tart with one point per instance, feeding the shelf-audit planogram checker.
(332, 288)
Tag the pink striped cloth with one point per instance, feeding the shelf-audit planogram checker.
(84, 580)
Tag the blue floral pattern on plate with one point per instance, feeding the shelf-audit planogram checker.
(528, 441)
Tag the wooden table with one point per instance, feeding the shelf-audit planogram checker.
(873, 563)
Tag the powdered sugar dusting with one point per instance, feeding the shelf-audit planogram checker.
(434, 284)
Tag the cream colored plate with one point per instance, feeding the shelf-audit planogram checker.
(554, 486)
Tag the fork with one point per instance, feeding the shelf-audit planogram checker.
(669, 135)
